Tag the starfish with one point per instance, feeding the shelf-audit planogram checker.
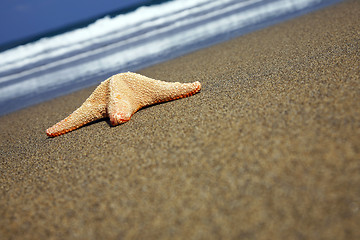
(119, 97)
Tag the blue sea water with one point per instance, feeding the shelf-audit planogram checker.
(56, 65)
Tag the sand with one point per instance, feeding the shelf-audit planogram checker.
(269, 149)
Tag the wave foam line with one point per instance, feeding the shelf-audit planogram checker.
(173, 23)
(101, 31)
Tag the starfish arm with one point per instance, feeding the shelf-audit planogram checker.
(167, 91)
(92, 109)
(156, 91)
(122, 103)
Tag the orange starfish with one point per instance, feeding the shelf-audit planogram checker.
(119, 97)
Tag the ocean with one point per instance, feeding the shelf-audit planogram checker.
(56, 65)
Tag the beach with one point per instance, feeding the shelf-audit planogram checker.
(269, 148)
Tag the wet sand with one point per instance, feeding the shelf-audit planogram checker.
(269, 149)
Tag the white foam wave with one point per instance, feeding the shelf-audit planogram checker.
(102, 30)
(145, 36)
(150, 29)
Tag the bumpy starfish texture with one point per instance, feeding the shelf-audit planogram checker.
(119, 97)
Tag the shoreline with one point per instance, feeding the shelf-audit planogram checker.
(267, 150)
